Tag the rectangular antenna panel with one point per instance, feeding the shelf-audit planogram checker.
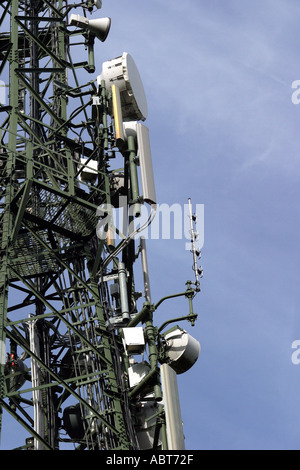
(144, 153)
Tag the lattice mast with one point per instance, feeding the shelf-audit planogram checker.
(70, 326)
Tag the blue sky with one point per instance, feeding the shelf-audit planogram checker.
(218, 77)
(224, 131)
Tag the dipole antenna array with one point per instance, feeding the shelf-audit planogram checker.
(81, 361)
(196, 252)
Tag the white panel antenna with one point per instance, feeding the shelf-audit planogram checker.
(141, 133)
(144, 152)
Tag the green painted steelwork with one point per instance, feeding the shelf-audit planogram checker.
(48, 234)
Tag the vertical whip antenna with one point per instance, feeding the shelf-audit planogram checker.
(194, 250)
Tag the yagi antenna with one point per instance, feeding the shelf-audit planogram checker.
(194, 250)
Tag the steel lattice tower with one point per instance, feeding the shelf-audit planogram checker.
(64, 362)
